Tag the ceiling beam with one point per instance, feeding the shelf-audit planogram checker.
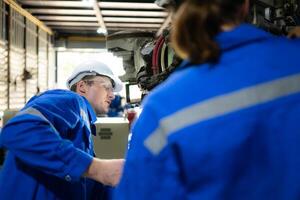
(93, 19)
(75, 4)
(135, 29)
(128, 5)
(165, 25)
(104, 5)
(95, 28)
(61, 11)
(115, 13)
(75, 28)
(107, 24)
(66, 18)
(133, 19)
(54, 23)
(99, 15)
(26, 14)
(132, 25)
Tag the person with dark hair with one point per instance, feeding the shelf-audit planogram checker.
(225, 125)
(49, 142)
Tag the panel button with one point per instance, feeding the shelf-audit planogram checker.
(68, 178)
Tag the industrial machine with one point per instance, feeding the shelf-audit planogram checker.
(149, 59)
(275, 16)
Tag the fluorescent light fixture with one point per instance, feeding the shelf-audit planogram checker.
(89, 2)
(102, 31)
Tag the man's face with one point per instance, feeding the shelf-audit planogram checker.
(99, 92)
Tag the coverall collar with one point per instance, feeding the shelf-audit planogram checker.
(239, 36)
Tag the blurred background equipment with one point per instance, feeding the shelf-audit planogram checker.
(128, 45)
(275, 16)
(147, 60)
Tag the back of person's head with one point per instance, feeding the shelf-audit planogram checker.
(88, 70)
(196, 24)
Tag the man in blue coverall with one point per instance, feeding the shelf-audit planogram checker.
(226, 124)
(50, 150)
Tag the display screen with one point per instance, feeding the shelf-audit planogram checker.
(133, 93)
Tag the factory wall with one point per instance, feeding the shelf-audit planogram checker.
(27, 58)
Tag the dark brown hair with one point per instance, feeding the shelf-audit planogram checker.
(196, 24)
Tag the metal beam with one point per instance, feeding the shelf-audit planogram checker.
(104, 5)
(66, 18)
(109, 28)
(99, 15)
(115, 13)
(97, 25)
(87, 28)
(166, 23)
(56, 27)
(132, 25)
(52, 23)
(131, 29)
(133, 19)
(93, 19)
(61, 11)
(128, 5)
(26, 14)
(78, 4)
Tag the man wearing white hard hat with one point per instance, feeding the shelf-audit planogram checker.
(49, 142)
(85, 80)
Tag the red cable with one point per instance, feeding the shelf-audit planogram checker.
(158, 64)
(154, 56)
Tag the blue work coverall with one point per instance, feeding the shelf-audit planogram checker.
(229, 130)
(49, 148)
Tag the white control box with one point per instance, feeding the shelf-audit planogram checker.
(111, 140)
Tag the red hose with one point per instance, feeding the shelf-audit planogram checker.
(158, 64)
(154, 55)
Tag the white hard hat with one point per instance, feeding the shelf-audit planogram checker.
(93, 68)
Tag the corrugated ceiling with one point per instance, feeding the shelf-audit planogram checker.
(84, 17)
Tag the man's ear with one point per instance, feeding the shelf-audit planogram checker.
(81, 87)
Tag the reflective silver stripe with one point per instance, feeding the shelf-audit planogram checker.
(219, 106)
(85, 118)
(33, 111)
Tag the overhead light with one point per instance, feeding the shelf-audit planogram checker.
(88, 2)
(102, 31)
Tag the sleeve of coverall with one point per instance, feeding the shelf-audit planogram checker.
(36, 143)
(148, 176)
